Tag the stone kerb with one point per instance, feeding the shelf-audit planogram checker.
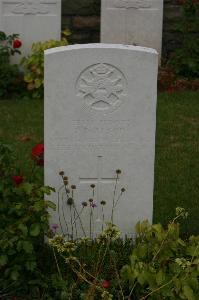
(100, 115)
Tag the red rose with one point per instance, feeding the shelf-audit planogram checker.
(17, 180)
(17, 44)
(38, 154)
(105, 284)
(37, 151)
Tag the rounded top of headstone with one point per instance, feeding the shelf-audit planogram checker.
(101, 46)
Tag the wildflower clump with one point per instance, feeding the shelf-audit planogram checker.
(110, 233)
(62, 245)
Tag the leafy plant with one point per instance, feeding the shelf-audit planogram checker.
(10, 76)
(185, 60)
(9, 45)
(24, 221)
(11, 82)
(34, 65)
(162, 265)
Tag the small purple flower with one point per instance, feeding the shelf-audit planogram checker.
(93, 205)
(54, 227)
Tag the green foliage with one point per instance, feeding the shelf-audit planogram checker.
(24, 221)
(34, 65)
(186, 59)
(11, 82)
(10, 76)
(6, 46)
(162, 265)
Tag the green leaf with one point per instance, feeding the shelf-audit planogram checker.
(23, 228)
(14, 275)
(51, 205)
(188, 292)
(160, 277)
(31, 265)
(28, 247)
(3, 260)
(35, 229)
(27, 187)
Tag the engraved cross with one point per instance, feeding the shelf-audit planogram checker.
(99, 180)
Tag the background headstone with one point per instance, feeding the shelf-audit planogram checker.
(100, 115)
(34, 20)
(134, 22)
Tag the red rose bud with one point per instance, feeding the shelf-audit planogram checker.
(105, 284)
(17, 180)
(37, 151)
(17, 44)
(38, 154)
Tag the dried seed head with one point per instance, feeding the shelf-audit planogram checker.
(123, 190)
(61, 173)
(65, 182)
(92, 186)
(103, 202)
(90, 200)
(73, 187)
(70, 201)
(84, 204)
(118, 171)
(65, 178)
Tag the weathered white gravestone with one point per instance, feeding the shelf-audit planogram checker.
(34, 20)
(100, 115)
(134, 22)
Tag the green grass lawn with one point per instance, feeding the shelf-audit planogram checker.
(177, 149)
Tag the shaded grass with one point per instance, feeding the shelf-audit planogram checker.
(21, 125)
(177, 158)
(177, 149)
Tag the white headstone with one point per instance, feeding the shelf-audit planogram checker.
(100, 115)
(34, 20)
(134, 22)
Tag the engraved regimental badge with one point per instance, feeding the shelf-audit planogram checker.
(102, 86)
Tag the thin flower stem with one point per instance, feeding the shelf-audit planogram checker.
(74, 218)
(102, 218)
(114, 193)
(154, 291)
(90, 223)
(58, 207)
(58, 269)
(131, 292)
(71, 222)
(79, 215)
(80, 221)
(118, 199)
(164, 240)
(102, 261)
(196, 249)
(63, 213)
(118, 276)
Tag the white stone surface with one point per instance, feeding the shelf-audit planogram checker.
(134, 22)
(34, 20)
(100, 115)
